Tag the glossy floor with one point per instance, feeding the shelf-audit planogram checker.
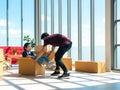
(11, 80)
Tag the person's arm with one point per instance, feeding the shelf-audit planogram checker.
(32, 55)
(53, 47)
(43, 50)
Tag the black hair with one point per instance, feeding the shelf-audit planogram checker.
(44, 35)
(25, 45)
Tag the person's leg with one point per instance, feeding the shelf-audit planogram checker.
(59, 54)
(46, 59)
(57, 70)
(59, 62)
(41, 60)
(66, 74)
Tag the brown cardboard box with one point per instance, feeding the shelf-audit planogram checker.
(68, 62)
(1, 67)
(28, 66)
(93, 67)
(38, 49)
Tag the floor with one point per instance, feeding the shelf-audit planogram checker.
(11, 80)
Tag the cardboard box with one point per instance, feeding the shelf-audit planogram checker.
(27, 66)
(68, 62)
(1, 67)
(93, 67)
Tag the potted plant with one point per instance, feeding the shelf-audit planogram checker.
(30, 40)
(15, 51)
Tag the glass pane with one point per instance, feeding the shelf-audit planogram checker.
(118, 58)
(49, 16)
(118, 9)
(86, 30)
(99, 30)
(118, 33)
(74, 30)
(14, 22)
(28, 18)
(42, 16)
(3, 23)
(64, 17)
(55, 16)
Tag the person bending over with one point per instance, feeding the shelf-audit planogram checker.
(64, 44)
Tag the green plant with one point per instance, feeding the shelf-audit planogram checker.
(30, 40)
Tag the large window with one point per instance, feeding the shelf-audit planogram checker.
(118, 58)
(117, 34)
(14, 26)
(99, 30)
(118, 9)
(3, 23)
(42, 16)
(48, 16)
(28, 18)
(86, 30)
(16, 20)
(55, 16)
(74, 30)
(70, 21)
(64, 17)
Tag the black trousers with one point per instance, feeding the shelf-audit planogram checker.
(59, 54)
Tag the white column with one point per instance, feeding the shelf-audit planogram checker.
(45, 15)
(39, 31)
(114, 63)
(79, 29)
(37, 21)
(52, 16)
(7, 26)
(21, 22)
(60, 16)
(109, 40)
(69, 21)
(92, 44)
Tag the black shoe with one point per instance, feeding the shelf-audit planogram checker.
(64, 76)
(56, 73)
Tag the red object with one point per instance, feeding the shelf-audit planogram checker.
(14, 60)
(8, 50)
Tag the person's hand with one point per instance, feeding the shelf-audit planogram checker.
(35, 60)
